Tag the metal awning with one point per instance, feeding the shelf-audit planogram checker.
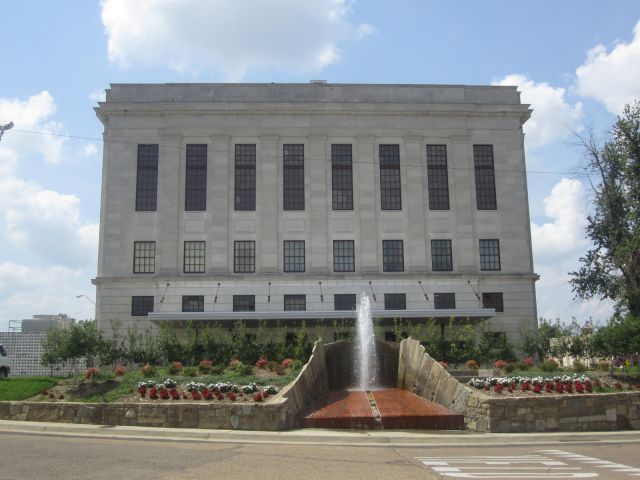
(319, 315)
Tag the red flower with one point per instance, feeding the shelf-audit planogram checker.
(498, 388)
(153, 393)
(526, 387)
(196, 395)
(207, 395)
(257, 397)
(536, 388)
(231, 396)
(262, 362)
(164, 394)
(174, 394)
(142, 391)
(618, 385)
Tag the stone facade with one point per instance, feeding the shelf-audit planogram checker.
(315, 116)
(422, 375)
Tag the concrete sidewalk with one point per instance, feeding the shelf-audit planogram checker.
(409, 438)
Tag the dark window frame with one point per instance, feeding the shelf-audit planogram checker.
(437, 177)
(345, 302)
(395, 301)
(390, 177)
(293, 176)
(441, 255)
(144, 256)
(194, 256)
(493, 300)
(147, 178)
(141, 305)
(295, 303)
(294, 256)
(245, 177)
(344, 257)
(195, 191)
(483, 163)
(490, 255)
(444, 301)
(392, 256)
(193, 303)
(341, 177)
(244, 303)
(244, 256)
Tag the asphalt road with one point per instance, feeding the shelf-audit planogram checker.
(46, 456)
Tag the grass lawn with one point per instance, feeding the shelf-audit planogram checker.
(21, 388)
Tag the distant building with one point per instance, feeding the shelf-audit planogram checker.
(283, 202)
(44, 323)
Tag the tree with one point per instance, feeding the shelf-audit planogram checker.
(611, 269)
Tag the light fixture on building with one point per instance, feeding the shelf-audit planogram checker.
(321, 296)
(372, 292)
(215, 299)
(426, 297)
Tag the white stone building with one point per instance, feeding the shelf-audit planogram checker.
(284, 201)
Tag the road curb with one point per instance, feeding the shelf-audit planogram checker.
(316, 436)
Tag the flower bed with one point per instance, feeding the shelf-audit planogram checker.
(555, 385)
(221, 391)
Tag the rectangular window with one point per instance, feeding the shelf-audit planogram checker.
(195, 194)
(141, 306)
(194, 257)
(485, 178)
(296, 303)
(341, 177)
(441, 257)
(395, 301)
(344, 256)
(438, 179)
(193, 303)
(489, 254)
(244, 303)
(293, 177)
(493, 300)
(147, 178)
(444, 301)
(390, 193)
(344, 301)
(144, 257)
(245, 177)
(294, 255)
(244, 255)
(392, 256)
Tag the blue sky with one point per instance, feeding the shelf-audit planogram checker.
(576, 62)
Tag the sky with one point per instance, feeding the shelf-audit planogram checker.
(577, 62)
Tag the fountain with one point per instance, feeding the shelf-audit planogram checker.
(365, 348)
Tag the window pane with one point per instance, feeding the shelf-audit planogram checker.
(485, 180)
(344, 301)
(395, 301)
(489, 254)
(245, 177)
(442, 301)
(293, 177)
(295, 303)
(147, 178)
(244, 303)
(141, 306)
(196, 178)
(193, 303)
(392, 256)
(390, 193)
(493, 300)
(441, 257)
(438, 179)
(144, 257)
(294, 255)
(343, 256)
(244, 257)
(341, 177)
(194, 257)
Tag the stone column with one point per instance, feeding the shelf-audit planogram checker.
(170, 202)
(365, 181)
(463, 193)
(318, 167)
(268, 204)
(415, 254)
(220, 178)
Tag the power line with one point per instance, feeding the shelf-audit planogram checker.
(174, 147)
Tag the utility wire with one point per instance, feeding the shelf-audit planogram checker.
(357, 162)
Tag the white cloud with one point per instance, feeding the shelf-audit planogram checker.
(612, 77)
(53, 251)
(33, 114)
(89, 150)
(195, 35)
(98, 95)
(565, 206)
(553, 118)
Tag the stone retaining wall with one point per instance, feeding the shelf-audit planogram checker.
(279, 413)
(422, 375)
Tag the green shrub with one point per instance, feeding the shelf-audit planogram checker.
(603, 365)
(175, 368)
(579, 367)
(242, 370)
(550, 365)
(190, 372)
(148, 371)
(218, 369)
(509, 368)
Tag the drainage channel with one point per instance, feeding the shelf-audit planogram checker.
(374, 409)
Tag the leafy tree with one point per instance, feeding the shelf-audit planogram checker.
(611, 269)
